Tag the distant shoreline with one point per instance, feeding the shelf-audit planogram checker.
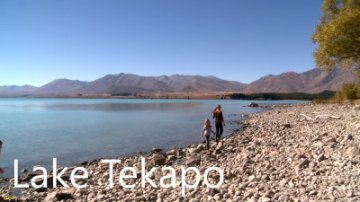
(195, 96)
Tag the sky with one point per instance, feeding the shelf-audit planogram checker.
(239, 40)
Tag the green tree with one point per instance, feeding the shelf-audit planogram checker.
(338, 35)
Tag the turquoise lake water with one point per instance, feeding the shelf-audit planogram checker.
(74, 130)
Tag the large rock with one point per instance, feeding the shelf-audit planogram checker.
(193, 160)
(352, 151)
(58, 196)
(155, 150)
(253, 104)
(158, 159)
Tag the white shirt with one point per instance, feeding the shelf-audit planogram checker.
(207, 131)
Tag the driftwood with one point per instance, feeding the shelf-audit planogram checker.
(319, 117)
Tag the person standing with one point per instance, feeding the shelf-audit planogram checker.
(207, 130)
(219, 121)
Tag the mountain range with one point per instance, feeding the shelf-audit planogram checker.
(312, 81)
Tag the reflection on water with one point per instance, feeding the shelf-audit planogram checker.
(121, 106)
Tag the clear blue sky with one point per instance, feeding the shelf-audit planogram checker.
(239, 40)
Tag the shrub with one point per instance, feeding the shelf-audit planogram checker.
(349, 91)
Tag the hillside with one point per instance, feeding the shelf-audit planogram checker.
(312, 81)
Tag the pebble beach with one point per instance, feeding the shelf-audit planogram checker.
(300, 152)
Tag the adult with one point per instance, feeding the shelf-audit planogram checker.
(219, 121)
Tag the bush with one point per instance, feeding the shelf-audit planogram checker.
(349, 91)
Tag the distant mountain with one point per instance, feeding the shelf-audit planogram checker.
(312, 81)
(186, 83)
(128, 83)
(15, 90)
(62, 86)
(131, 83)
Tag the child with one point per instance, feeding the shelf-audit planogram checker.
(206, 132)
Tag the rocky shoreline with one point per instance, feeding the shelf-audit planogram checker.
(301, 152)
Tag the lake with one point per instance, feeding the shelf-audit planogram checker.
(34, 130)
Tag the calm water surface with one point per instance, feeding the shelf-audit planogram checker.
(74, 130)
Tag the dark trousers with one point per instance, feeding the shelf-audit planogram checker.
(219, 130)
(207, 141)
